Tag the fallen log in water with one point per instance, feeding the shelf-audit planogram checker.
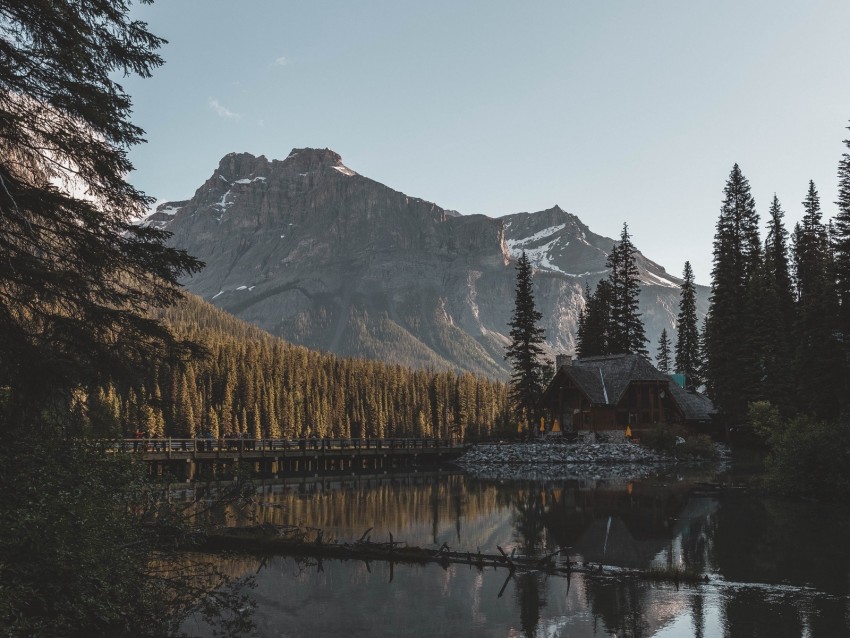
(267, 539)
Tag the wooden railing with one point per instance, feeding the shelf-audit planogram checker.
(277, 445)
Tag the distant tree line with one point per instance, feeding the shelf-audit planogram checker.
(257, 386)
(778, 326)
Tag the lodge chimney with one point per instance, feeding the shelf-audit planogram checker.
(562, 360)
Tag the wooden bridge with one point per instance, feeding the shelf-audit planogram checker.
(189, 459)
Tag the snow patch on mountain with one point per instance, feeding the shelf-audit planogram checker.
(223, 204)
(655, 280)
(344, 170)
(539, 256)
(161, 218)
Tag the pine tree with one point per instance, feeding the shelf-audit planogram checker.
(525, 352)
(818, 360)
(778, 312)
(663, 357)
(688, 359)
(737, 254)
(595, 325)
(77, 275)
(841, 256)
(627, 334)
(810, 246)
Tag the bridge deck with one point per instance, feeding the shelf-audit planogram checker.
(272, 457)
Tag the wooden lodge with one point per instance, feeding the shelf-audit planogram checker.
(613, 393)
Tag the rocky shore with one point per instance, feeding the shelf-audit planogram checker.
(547, 461)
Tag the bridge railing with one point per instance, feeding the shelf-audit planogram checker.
(229, 444)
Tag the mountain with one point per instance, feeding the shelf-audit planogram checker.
(311, 251)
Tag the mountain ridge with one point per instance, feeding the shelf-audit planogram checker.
(312, 251)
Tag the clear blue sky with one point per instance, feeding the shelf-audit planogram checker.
(616, 110)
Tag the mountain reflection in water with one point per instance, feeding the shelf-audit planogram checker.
(775, 568)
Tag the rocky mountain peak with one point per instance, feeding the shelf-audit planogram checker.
(310, 250)
(310, 160)
(235, 166)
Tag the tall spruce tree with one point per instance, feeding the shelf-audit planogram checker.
(841, 259)
(730, 369)
(818, 352)
(688, 359)
(627, 334)
(525, 352)
(77, 277)
(778, 313)
(810, 248)
(663, 356)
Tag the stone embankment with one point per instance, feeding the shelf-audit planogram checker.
(572, 461)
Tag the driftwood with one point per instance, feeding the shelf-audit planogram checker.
(265, 540)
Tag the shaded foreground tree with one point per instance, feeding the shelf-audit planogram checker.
(525, 352)
(730, 361)
(818, 361)
(77, 277)
(79, 541)
(779, 313)
(841, 249)
(88, 549)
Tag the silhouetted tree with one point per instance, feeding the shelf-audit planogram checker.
(841, 257)
(729, 368)
(688, 359)
(525, 351)
(78, 277)
(626, 333)
(663, 355)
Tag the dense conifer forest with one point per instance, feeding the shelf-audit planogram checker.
(258, 386)
(777, 328)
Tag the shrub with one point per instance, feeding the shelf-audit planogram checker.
(677, 441)
(660, 438)
(805, 456)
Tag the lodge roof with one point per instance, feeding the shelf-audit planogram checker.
(694, 406)
(604, 379)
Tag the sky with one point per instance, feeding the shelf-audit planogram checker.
(616, 110)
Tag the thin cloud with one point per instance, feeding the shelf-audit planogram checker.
(281, 61)
(222, 111)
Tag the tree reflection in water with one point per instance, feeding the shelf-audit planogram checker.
(777, 568)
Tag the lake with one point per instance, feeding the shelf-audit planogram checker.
(774, 567)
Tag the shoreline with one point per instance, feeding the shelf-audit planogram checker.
(578, 461)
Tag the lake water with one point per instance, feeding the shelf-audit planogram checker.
(775, 568)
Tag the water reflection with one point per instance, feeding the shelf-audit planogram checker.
(775, 568)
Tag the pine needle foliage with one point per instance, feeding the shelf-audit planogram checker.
(688, 360)
(778, 312)
(626, 334)
(841, 257)
(525, 351)
(662, 357)
(260, 386)
(76, 275)
(737, 254)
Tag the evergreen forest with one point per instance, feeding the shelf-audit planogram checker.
(777, 329)
(252, 384)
